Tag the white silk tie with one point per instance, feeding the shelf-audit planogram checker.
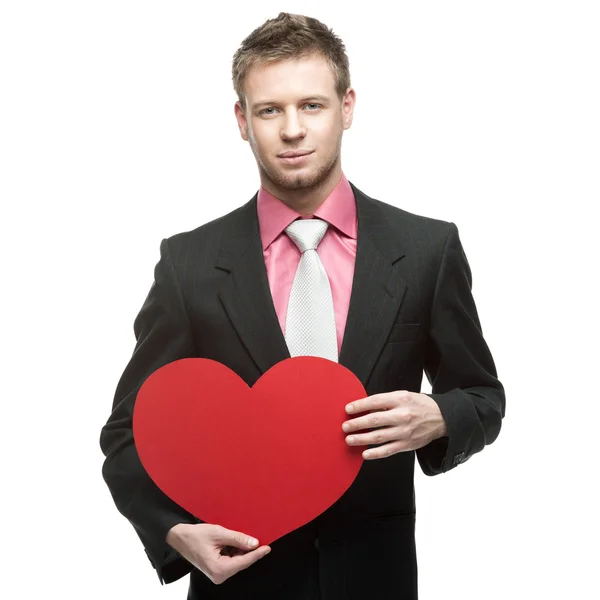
(310, 323)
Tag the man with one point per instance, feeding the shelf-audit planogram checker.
(395, 300)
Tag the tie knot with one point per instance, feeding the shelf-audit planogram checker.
(307, 233)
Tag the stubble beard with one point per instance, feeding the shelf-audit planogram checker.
(302, 180)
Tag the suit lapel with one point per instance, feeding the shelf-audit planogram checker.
(245, 294)
(377, 289)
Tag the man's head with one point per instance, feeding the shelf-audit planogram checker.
(291, 76)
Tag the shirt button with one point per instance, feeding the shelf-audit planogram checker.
(317, 543)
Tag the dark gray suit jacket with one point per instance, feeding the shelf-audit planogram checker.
(411, 310)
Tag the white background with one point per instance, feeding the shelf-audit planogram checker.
(117, 129)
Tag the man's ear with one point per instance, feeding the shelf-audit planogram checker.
(348, 107)
(241, 120)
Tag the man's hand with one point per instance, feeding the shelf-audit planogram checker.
(405, 420)
(218, 552)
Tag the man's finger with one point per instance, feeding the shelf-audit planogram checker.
(243, 561)
(228, 537)
(374, 402)
(387, 450)
(375, 419)
(378, 436)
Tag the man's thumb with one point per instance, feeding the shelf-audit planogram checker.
(237, 539)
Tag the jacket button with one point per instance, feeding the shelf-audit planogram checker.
(317, 543)
(458, 458)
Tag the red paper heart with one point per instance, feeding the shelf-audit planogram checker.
(263, 460)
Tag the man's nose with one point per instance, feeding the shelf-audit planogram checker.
(293, 126)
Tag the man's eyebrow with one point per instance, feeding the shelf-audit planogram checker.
(318, 97)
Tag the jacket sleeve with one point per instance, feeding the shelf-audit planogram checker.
(459, 367)
(163, 334)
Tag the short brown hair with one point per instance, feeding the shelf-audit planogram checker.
(290, 36)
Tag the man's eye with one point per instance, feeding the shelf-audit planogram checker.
(264, 110)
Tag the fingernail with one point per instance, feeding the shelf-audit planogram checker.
(349, 408)
(253, 542)
(345, 427)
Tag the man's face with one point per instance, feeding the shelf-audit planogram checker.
(292, 106)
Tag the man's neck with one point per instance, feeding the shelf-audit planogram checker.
(306, 200)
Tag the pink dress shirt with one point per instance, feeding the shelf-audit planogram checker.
(337, 249)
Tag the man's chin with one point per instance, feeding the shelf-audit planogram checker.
(296, 181)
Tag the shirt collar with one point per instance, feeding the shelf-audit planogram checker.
(338, 209)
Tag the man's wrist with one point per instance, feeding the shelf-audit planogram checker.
(175, 534)
(441, 430)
